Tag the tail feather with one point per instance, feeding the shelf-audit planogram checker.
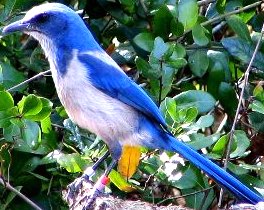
(226, 180)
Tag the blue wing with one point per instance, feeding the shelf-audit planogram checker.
(107, 77)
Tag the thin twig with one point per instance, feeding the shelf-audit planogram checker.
(26, 199)
(29, 80)
(220, 17)
(230, 139)
(145, 9)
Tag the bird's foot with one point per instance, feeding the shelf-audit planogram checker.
(79, 186)
(81, 194)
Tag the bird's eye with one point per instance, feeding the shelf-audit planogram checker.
(42, 18)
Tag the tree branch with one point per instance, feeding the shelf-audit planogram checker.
(26, 199)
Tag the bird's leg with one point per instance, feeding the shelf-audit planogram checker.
(89, 172)
(74, 188)
(99, 186)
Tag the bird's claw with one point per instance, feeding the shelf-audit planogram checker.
(82, 193)
(75, 187)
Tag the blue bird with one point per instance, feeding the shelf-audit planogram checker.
(99, 97)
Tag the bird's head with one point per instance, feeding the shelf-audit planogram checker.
(53, 25)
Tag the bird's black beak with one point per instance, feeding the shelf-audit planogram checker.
(16, 26)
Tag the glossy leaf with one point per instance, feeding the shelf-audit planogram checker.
(228, 97)
(257, 106)
(239, 146)
(145, 41)
(6, 100)
(198, 62)
(199, 35)
(30, 105)
(177, 27)
(188, 179)
(203, 101)
(243, 51)
(258, 92)
(242, 144)
(31, 134)
(256, 120)
(73, 163)
(120, 182)
(146, 70)
(11, 76)
(161, 22)
(46, 107)
(160, 48)
(205, 121)
(188, 19)
(200, 141)
(220, 5)
(239, 27)
(170, 105)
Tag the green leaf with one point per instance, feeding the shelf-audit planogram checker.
(188, 13)
(5, 11)
(237, 169)
(161, 22)
(220, 146)
(188, 179)
(256, 120)
(242, 142)
(120, 182)
(6, 116)
(197, 197)
(73, 163)
(258, 92)
(46, 125)
(216, 75)
(177, 27)
(205, 121)
(220, 6)
(128, 5)
(46, 107)
(199, 35)
(145, 41)
(30, 105)
(203, 101)
(239, 27)
(171, 108)
(31, 134)
(257, 106)
(191, 114)
(146, 70)
(150, 165)
(227, 92)
(243, 51)
(6, 100)
(177, 63)
(198, 62)
(11, 76)
(239, 145)
(200, 141)
(160, 48)
(220, 59)
(179, 51)
(13, 134)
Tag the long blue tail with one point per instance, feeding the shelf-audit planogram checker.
(226, 180)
